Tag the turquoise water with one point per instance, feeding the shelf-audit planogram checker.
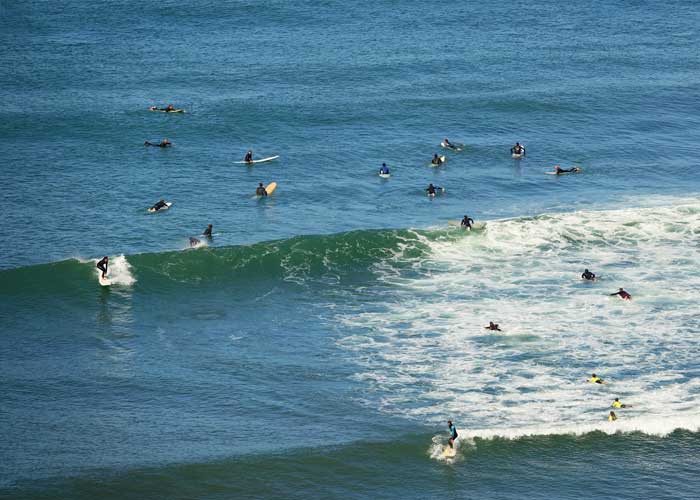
(316, 346)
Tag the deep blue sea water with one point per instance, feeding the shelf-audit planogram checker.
(317, 344)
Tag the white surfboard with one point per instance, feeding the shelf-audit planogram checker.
(384, 176)
(477, 226)
(103, 281)
(168, 204)
(517, 156)
(261, 160)
(449, 452)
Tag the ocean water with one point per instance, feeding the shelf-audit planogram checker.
(316, 346)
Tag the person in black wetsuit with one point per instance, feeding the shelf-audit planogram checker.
(436, 160)
(432, 190)
(159, 205)
(248, 156)
(103, 265)
(623, 295)
(448, 144)
(467, 222)
(558, 170)
(453, 433)
(493, 326)
(207, 231)
(165, 143)
(517, 149)
(587, 275)
(261, 190)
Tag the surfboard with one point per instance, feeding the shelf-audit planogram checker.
(456, 147)
(261, 160)
(449, 452)
(384, 176)
(168, 204)
(270, 188)
(564, 173)
(103, 281)
(517, 156)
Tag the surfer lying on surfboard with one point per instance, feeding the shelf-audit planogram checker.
(165, 143)
(623, 295)
(595, 379)
(449, 145)
(169, 109)
(160, 204)
(558, 170)
(103, 265)
(493, 326)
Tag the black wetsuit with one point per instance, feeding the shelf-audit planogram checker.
(159, 205)
(587, 275)
(207, 232)
(431, 189)
(102, 266)
(248, 157)
(467, 222)
(260, 191)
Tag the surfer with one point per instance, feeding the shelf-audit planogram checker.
(167, 110)
(587, 275)
(453, 433)
(432, 190)
(207, 231)
(159, 205)
(436, 160)
(558, 170)
(618, 404)
(165, 143)
(612, 417)
(595, 379)
(623, 295)
(517, 149)
(194, 241)
(493, 326)
(384, 170)
(103, 265)
(448, 144)
(248, 156)
(260, 191)
(467, 222)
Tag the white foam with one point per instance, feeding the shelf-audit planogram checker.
(426, 354)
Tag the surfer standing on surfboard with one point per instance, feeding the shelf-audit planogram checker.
(453, 433)
(102, 265)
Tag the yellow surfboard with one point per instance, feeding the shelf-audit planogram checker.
(270, 188)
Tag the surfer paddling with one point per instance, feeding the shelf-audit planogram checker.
(165, 143)
(623, 295)
(493, 327)
(595, 379)
(103, 265)
(449, 145)
(169, 109)
(558, 170)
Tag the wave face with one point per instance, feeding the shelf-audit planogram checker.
(425, 352)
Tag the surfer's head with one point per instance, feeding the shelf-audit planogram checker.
(260, 184)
